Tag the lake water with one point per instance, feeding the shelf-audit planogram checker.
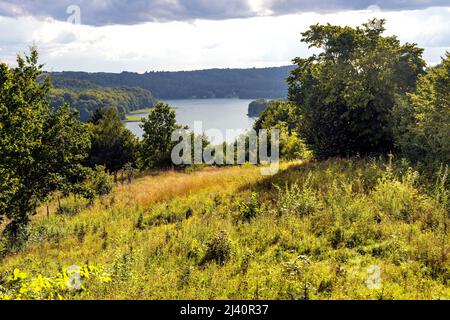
(220, 114)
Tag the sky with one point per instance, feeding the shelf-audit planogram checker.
(156, 35)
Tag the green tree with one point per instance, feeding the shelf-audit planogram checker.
(113, 145)
(124, 99)
(65, 146)
(346, 93)
(422, 127)
(255, 108)
(283, 115)
(156, 146)
(278, 112)
(40, 148)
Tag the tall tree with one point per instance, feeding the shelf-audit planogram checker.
(156, 146)
(423, 119)
(40, 148)
(113, 145)
(346, 93)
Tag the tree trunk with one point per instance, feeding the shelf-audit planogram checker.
(59, 204)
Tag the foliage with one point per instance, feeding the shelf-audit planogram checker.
(41, 149)
(256, 107)
(100, 182)
(422, 121)
(218, 249)
(301, 201)
(87, 101)
(113, 145)
(346, 93)
(215, 83)
(248, 210)
(284, 116)
(67, 284)
(278, 112)
(156, 146)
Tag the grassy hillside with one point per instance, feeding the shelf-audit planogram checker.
(315, 230)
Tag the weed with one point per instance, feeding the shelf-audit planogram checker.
(218, 249)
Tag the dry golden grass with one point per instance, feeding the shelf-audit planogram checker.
(165, 185)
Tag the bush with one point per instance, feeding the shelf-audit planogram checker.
(14, 238)
(283, 116)
(100, 181)
(396, 199)
(66, 284)
(250, 209)
(296, 200)
(218, 249)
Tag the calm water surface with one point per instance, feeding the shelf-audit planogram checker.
(221, 114)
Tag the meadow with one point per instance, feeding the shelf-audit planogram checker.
(336, 229)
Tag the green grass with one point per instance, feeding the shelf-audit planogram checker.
(135, 116)
(130, 118)
(146, 110)
(314, 231)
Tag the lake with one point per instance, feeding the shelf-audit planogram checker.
(220, 114)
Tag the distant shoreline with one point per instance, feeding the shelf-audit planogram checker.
(134, 116)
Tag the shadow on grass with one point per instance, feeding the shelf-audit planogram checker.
(287, 175)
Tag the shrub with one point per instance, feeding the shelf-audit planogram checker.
(14, 238)
(283, 116)
(218, 249)
(100, 181)
(396, 199)
(66, 284)
(296, 200)
(248, 210)
(140, 222)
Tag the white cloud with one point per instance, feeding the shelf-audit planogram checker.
(258, 41)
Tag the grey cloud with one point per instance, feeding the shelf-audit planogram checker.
(105, 12)
(287, 6)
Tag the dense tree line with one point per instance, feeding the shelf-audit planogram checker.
(215, 83)
(87, 100)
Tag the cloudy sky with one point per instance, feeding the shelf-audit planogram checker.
(139, 36)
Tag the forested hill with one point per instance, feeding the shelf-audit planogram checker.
(87, 100)
(252, 83)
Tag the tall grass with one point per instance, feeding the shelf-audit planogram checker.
(314, 231)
